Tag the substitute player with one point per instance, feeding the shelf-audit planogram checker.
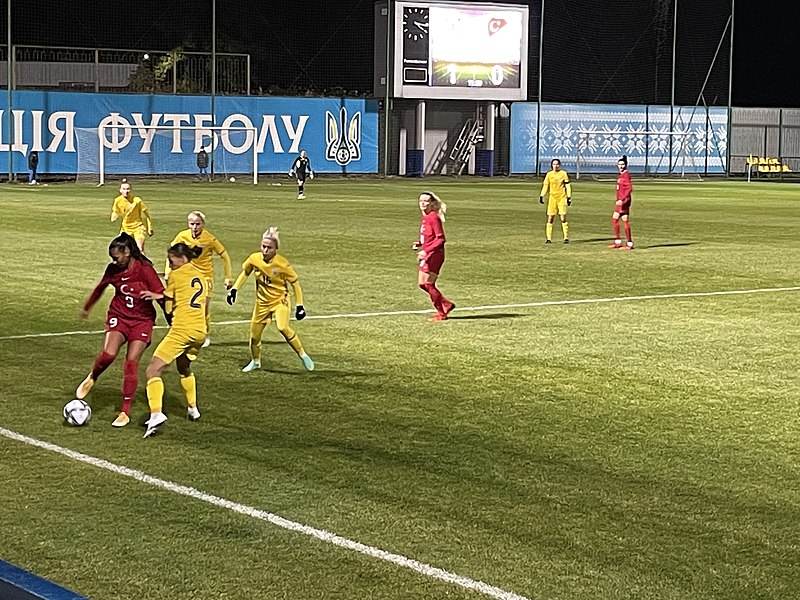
(430, 252)
(185, 302)
(273, 275)
(135, 216)
(129, 319)
(197, 236)
(622, 207)
(556, 184)
(301, 168)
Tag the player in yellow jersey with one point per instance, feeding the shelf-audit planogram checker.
(135, 216)
(185, 301)
(273, 275)
(556, 183)
(197, 236)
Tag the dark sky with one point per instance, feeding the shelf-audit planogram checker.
(327, 45)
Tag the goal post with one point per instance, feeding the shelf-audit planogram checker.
(648, 152)
(165, 151)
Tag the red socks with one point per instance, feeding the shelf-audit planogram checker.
(130, 381)
(101, 363)
(436, 296)
(627, 227)
(615, 224)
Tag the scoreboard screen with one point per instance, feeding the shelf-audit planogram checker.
(462, 51)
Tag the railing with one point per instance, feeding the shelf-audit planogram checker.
(124, 70)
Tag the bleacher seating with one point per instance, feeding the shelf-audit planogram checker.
(765, 166)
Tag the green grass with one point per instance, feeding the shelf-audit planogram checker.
(626, 450)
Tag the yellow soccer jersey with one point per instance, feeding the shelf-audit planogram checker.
(556, 183)
(187, 292)
(210, 245)
(133, 212)
(272, 279)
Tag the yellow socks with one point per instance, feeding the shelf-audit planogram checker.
(549, 231)
(189, 385)
(565, 229)
(155, 394)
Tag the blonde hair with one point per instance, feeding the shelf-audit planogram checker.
(272, 233)
(198, 214)
(439, 207)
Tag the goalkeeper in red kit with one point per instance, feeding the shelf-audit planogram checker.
(430, 252)
(130, 319)
(622, 207)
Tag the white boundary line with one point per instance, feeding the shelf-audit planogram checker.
(320, 534)
(392, 313)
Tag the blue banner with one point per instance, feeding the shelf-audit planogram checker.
(599, 134)
(340, 135)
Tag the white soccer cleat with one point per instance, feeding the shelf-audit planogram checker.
(252, 366)
(192, 413)
(154, 422)
(206, 343)
(121, 420)
(85, 387)
(307, 362)
(301, 196)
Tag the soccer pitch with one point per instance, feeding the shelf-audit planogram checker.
(591, 423)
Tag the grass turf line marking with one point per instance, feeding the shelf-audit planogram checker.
(320, 534)
(394, 313)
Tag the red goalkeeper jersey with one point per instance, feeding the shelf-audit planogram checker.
(128, 284)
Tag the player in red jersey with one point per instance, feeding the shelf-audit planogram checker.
(430, 252)
(129, 319)
(622, 208)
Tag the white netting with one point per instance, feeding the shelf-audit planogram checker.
(165, 152)
(648, 152)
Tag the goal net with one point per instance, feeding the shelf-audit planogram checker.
(165, 151)
(649, 152)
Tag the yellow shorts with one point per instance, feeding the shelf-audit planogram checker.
(556, 207)
(138, 233)
(176, 343)
(266, 313)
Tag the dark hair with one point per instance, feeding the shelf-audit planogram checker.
(624, 159)
(187, 252)
(125, 241)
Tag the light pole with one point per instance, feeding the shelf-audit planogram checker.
(213, 76)
(9, 121)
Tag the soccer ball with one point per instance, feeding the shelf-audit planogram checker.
(77, 413)
(232, 179)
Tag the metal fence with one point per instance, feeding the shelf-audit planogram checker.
(764, 132)
(124, 71)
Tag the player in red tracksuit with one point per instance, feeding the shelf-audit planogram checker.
(622, 208)
(129, 319)
(430, 252)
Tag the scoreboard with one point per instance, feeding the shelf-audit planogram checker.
(458, 50)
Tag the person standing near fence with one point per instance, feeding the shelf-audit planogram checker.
(300, 168)
(622, 207)
(556, 184)
(33, 166)
(202, 165)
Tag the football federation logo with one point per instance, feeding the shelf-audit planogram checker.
(343, 138)
(496, 25)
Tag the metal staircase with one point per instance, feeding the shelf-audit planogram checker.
(453, 158)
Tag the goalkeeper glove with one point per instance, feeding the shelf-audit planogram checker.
(311, 175)
(569, 201)
(231, 296)
(291, 173)
(541, 199)
(168, 318)
(300, 313)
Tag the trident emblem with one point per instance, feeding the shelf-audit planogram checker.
(343, 139)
